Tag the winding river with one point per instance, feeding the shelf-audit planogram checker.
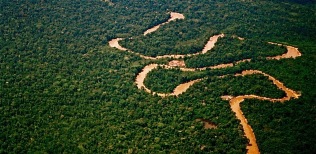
(173, 16)
(234, 101)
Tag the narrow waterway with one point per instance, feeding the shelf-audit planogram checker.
(173, 16)
(235, 106)
(234, 101)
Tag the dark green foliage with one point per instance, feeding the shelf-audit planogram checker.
(230, 50)
(249, 84)
(162, 80)
(165, 80)
(284, 125)
(64, 90)
(174, 38)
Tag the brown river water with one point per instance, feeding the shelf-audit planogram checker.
(234, 101)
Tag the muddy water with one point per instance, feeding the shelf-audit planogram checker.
(140, 78)
(252, 147)
(114, 43)
(211, 43)
(234, 102)
(292, 52)
(173, 16)
(184, 87)
(181, 88)
(152, 29)
(235, 106)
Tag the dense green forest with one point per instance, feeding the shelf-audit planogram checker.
(166, 80)
(229, 50)
(64, 90)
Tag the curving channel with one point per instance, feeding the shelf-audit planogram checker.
(234, 101)
(173, 16)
